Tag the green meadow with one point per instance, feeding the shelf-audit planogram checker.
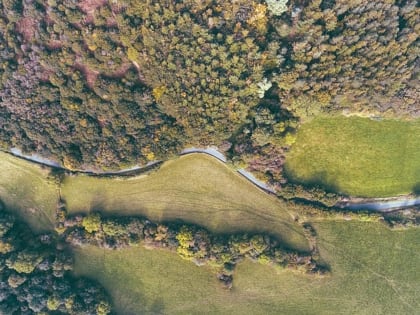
(195, 188)
(26, 189)
(357, 156)
(373, 271)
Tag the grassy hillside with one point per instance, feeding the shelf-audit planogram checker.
(195, 188)
(374, 271)
(357, 156)
(25, 188)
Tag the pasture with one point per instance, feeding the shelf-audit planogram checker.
(195, 188)
(26, 189)
(374, 271)
(357, 156)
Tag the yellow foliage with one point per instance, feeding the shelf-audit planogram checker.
(258, 18)
(5, 247)
(264, 259)
(184, 252)
(92, 47)
(289, 139)
(184, 237)
(83, 123)
(148, 153)
(323, 97)
(132, 54)
(158, 92)
(68, 163)
(150, 156)
(53, 303)
(92, 222)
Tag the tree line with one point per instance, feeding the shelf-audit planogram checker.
(190, 242)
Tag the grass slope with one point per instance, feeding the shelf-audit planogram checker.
(25, 189)
(195, 188)
(374, 271)
(357, 156)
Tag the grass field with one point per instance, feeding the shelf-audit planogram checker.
(195, 188)
(25, 189)
(374, 271)
(357, 156)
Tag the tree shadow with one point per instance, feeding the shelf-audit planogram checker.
(324, 181)
(158, 307)
(319, 180)
(416, 189)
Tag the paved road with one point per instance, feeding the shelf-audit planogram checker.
(383, 205)
(379, 205)
(43, 161)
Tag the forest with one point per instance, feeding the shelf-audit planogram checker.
(104, 85)
(108, 84)
(36, 277)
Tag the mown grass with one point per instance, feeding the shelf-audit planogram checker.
(26, 190)
(195, 188)
(374, 271)
(357, 156)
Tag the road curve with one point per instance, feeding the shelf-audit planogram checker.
(375, 204)
(50, 163)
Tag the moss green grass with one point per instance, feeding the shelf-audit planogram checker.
(195, 188)
(374, 271)
(26, 189)
(357, 156)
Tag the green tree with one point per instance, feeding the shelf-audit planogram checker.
(92, 222)
(24, 261)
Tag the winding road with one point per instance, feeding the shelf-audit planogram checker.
(382, 205)
(377, 204)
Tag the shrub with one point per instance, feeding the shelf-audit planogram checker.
(92, 222)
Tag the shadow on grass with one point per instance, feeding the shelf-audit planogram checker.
(319, 180)
(158, 307)
(416, 189)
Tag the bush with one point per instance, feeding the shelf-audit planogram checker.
(92, 222)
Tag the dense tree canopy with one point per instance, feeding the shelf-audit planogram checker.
(35, 276)
(106, 84)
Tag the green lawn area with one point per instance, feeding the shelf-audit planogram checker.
(357, 156)
(195, 188)
(374, 271)
(26, 190)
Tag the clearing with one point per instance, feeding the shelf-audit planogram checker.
(194, 188)
(357, 156)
